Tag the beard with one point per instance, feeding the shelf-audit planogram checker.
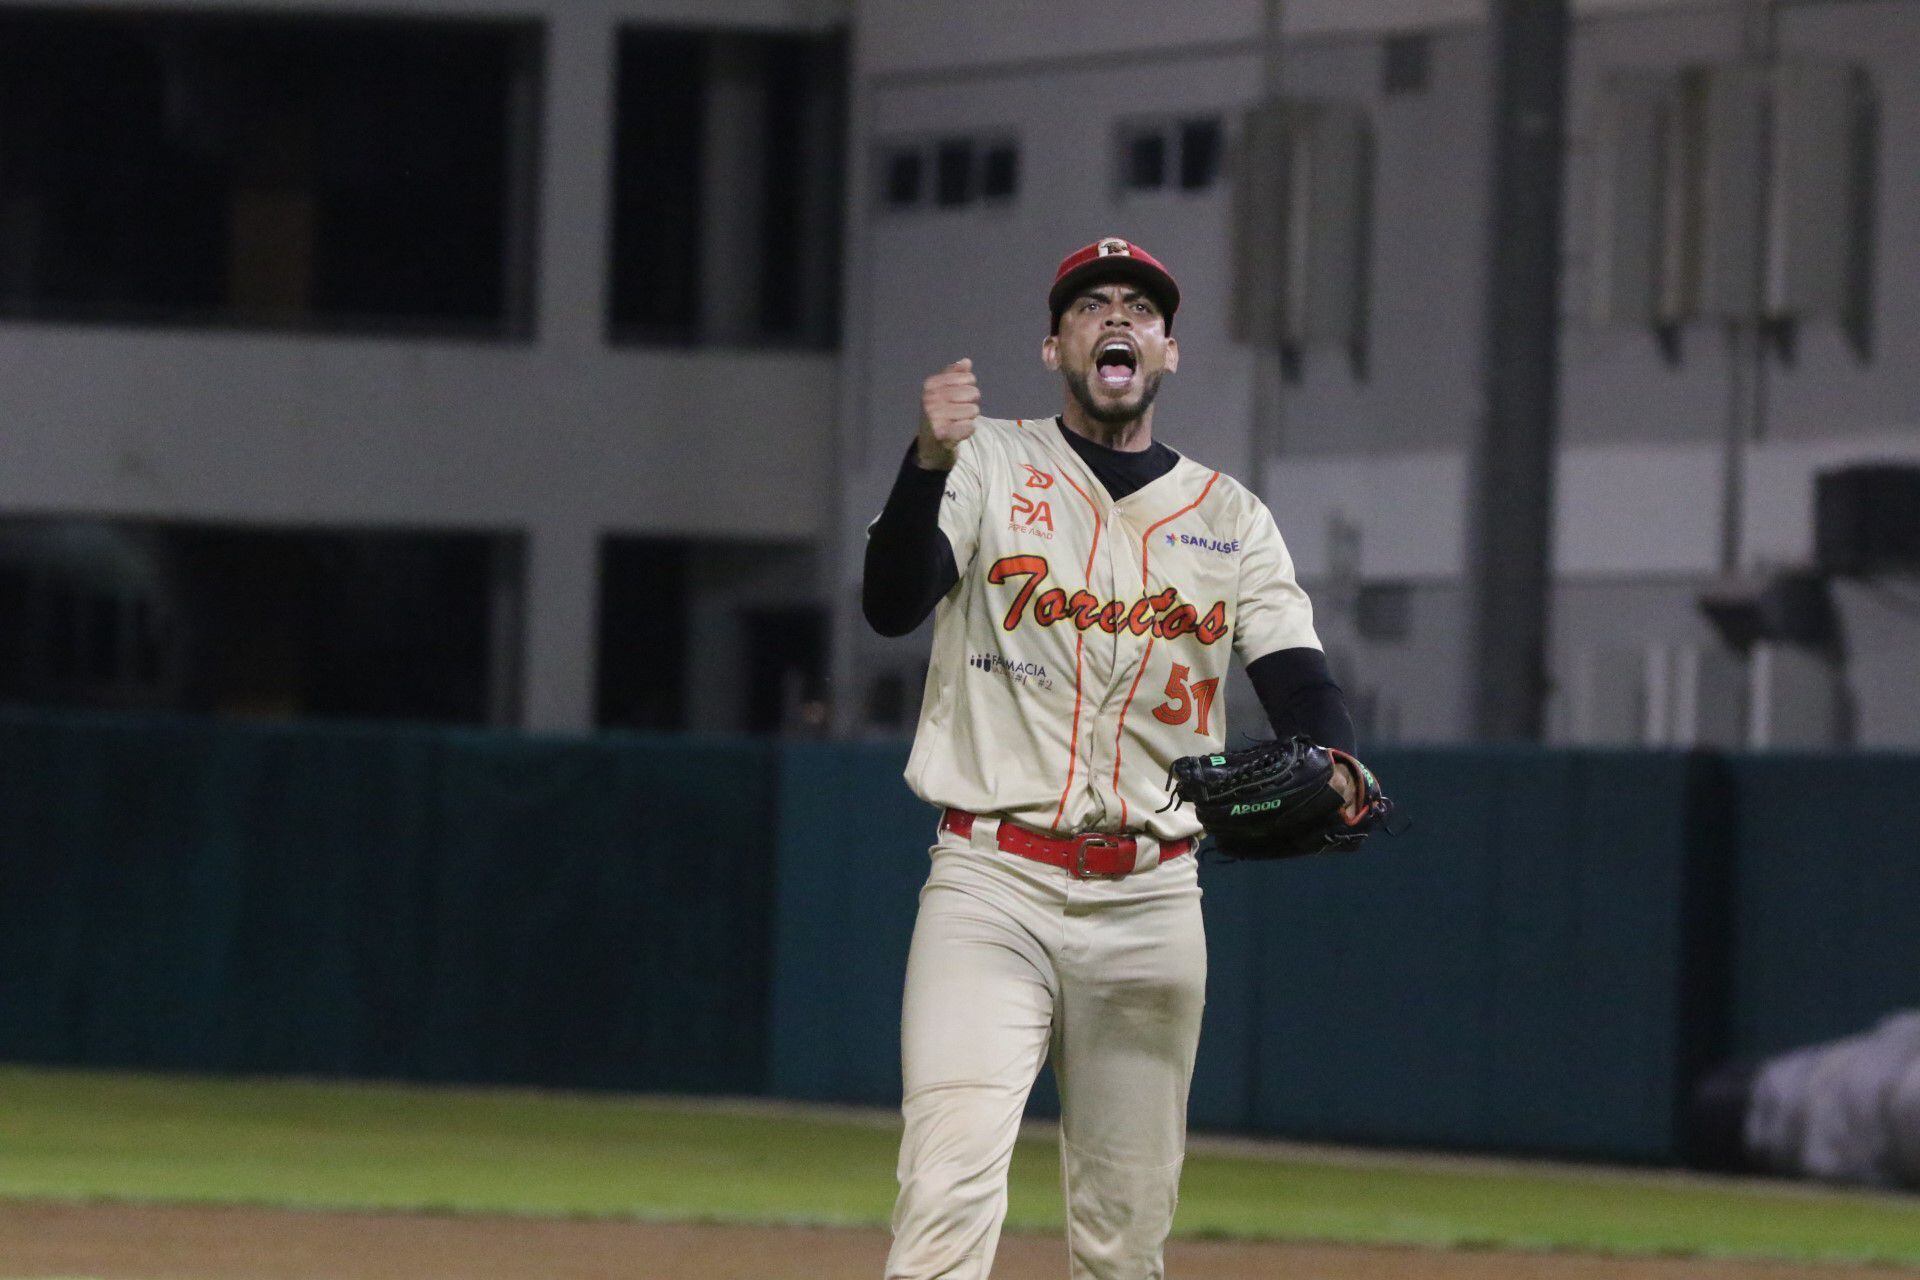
(1112, 415)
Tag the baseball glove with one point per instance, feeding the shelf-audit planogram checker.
(1277, 800)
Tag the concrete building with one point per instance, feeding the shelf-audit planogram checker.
(666, 437)
(1367, 466)
(554, 417)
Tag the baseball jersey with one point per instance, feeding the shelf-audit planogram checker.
(1083, 648)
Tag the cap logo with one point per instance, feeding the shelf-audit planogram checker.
(1109, 247)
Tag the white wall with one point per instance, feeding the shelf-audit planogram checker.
(358, 431)
(781, 14)
(1649, 509)
(899, 38)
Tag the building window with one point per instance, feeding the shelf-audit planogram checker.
(1146, 161)
(953, 173)
(965, 171)
(288, 172)
(641, 672)
(728, 158)
(1000, 172)
(1168, 154)
(256, 622)
(1200, 148)
(1405, 63)
(903, 178)
(1384, 612)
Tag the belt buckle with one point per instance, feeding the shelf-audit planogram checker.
(1098, 840)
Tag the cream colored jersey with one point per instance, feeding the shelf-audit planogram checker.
(1084, 646)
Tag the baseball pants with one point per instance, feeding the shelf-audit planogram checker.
(1013, 960)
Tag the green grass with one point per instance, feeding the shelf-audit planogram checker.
(85, 1136)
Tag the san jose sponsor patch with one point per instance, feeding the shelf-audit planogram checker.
(1219, 546)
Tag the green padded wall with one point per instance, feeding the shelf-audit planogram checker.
(1828, 928)
(1557, 947)
(853, 853)
(380, 902)
(1513, 972)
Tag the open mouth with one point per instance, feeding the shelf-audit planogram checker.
(1116, 362)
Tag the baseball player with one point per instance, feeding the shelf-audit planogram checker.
(1088, 583)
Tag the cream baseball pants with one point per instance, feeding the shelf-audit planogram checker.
(1013, 960)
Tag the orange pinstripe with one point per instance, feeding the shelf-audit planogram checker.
(1079, 644)
(1120, 729)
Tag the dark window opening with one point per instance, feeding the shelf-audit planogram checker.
(1163, 154)
(903, 179)
(17, 590)
(270, 623)
(1200, 147)
(643, 642)
(888, 702)
(1000, 172)
(701, 115)
(786, 671)
(660, 118)
(1384, 612)
(1146, 159)
(299, 172)
(953, 172)
(800, 237)
(1405, 62)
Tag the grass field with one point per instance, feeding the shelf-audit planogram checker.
(90, 1136)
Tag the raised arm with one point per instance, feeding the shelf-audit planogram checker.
(910, 561)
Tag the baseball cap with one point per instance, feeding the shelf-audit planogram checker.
(1112, 258)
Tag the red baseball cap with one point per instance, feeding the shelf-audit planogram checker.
(1112, 259)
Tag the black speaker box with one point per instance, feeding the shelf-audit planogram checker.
(1793, 606)
(1867, 519)
(1797, 607)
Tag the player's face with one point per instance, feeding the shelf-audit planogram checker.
(1112, 349)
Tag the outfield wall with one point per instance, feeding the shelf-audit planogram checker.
(387, 903)
(1541, 964)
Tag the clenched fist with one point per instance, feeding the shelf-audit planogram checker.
(949, 407)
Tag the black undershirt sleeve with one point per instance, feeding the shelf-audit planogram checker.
(909, 563)
(1296, 689)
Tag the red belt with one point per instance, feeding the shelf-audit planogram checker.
(1095, 855)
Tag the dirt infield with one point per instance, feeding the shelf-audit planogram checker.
(109, 1242)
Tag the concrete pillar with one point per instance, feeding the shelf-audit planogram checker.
(1510, 534)
(561, 629)
(576, 186)
(560, 601)
(733, 191)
